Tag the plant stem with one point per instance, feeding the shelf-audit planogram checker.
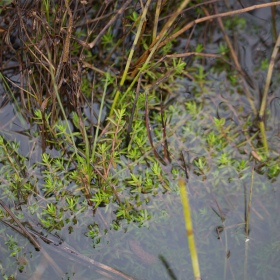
(189, 228)
(265, 94)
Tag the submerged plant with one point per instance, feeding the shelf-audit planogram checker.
(113, 107)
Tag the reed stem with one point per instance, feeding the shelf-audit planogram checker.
(189, 228)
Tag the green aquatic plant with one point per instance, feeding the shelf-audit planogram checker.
(97, 174)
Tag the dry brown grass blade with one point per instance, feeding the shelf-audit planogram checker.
(111, 21)
(66, 47)
(265, 94)
(136, 40)
(72, 255)
(158, 8)
(147, 56)
(226, 14)
(26, 233)
(200, 20)
(237, 65)
(30, 41)
(164, 135)
(268, 77)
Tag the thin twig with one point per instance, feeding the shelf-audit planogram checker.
(237, 64)
(200, 20)
(265, 94)
(163, 124)
(158, 8)
(247, 221)
(268, 77)
(66, 47)
(226, 14)
(157, 42)
(71, 253)
(111, 21)
(28, 235)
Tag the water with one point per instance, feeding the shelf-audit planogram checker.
(99, 246)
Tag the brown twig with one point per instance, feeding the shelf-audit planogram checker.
(158, 9)
(148, 54)
(265, 94)
(237, 64)
(226, 14)
(66, 46)
(111, 21)
(163, 124)
(71, 253)
(28, 235)
(200, 20)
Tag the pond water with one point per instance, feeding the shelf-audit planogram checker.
(221, 191)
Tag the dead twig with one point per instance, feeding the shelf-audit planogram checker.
(164, 136)
(111, 21)
(68, 36)
(200, 20)
(265, 94)
(237, 64)
(27, 234)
